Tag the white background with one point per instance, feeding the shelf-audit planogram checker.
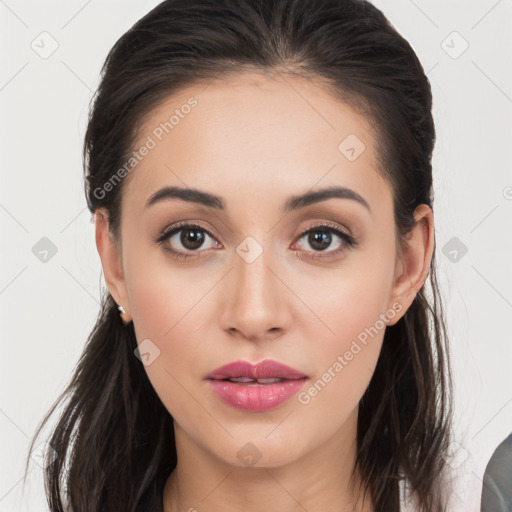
(48, 309)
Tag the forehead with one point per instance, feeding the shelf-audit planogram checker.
(252, 130)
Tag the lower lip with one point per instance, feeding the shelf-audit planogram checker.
(256, 397)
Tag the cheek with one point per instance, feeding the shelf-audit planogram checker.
(349, 305)
(353, 311)
(169, 306)
(165, 308)
(165, 316)
(163, 294)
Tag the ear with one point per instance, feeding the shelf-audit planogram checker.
(110, 255)
(413, 263)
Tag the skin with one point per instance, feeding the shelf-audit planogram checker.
(256, 140)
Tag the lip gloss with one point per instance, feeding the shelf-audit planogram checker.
(255, 397)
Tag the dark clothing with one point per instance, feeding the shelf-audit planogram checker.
(497, 488)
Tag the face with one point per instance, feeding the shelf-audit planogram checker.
(257, 275)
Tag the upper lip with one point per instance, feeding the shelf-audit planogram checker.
(263, 370)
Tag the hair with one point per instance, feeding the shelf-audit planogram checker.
(114, 438)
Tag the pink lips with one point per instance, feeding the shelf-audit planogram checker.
(248, 391)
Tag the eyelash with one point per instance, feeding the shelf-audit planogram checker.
(349, 242)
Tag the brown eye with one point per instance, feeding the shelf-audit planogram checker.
(191, 238)
(320, 238)
(184, 240)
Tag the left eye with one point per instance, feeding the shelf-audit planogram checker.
(320, 238)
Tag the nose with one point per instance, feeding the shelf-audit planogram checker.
(256, 300)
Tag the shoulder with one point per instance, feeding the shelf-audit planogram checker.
(497, 483)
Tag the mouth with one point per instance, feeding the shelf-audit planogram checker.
(262, 372)
(248, 381)
(256, 387)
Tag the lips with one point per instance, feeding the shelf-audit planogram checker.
(256, 387)
(266, 371)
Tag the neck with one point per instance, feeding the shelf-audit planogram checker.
(318, 481)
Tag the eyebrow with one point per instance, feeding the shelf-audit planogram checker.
(297, 202)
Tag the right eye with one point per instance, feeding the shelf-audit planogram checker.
(190, 236)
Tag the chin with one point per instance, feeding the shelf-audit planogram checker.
(260, 452)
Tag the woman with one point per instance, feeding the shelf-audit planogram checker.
(261, 183)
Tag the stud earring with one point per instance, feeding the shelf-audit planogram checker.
(121, 309)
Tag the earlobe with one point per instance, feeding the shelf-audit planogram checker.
(414, 261)
(110, 256)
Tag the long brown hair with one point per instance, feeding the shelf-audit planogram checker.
(114, 438)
